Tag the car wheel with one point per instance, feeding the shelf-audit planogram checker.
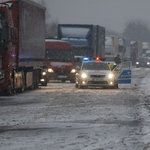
(116, 86)
(76, 85)
(63, 80)
(72, 81)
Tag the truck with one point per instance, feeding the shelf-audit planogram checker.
(122, 49)
(60, 61)
(111, 46)
(86, 39)
(22, 46)
(136, 51)
(145, 46)
(127, 44)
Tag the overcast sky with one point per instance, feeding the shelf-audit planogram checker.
(112, 14)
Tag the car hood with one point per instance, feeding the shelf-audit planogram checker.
(96, 72)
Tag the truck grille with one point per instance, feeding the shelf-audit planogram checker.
(62, 72)
(97, 82)
(97, 76)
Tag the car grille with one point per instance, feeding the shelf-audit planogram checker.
(97, 76)
(97, 82)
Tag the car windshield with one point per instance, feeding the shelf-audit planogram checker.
(147, 55)
(109, 58)
(95, 66)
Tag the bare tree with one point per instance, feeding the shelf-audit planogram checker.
(51, 25)
(137, 30)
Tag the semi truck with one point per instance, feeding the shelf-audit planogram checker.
(86, 39)
(122, 49)
(111, 46)
(145, 46)
(22, 45)
(136, 51)
(127, 44)
(60, 60)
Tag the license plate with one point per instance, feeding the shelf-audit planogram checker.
(62, 76)
(96, 79)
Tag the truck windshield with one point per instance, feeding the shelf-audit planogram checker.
(59, 55)
(95, 66)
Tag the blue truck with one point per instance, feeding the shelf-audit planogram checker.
(86, 39)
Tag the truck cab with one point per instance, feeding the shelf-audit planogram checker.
(60, 61)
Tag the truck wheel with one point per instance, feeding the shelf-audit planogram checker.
(8, 92)
(76, 85)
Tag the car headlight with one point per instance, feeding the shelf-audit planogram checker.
(84, 75)
(43, 73)
(50, 70)
(148, 63)
(137, 62)
(110, 75)
(73, 71)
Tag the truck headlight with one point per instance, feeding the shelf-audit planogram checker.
(50, 70)
(43, 73)
(84, 75)
(137, 62)
(110, 75)
(148, 63)
(73, 71)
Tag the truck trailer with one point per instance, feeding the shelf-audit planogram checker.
(136, 51)
(111, 46)
(86, 39)
(22, 45)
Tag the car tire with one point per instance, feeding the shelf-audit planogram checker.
(63, 81)
(72, 81)
(116, 86)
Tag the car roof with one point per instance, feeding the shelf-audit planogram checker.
(97, 61)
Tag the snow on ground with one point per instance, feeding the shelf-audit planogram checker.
(41, 121)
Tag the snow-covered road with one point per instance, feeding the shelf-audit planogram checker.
(61, 117)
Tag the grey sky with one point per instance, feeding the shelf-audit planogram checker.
(112, 14)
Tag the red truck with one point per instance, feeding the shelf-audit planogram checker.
(60, 60)
(22, 45)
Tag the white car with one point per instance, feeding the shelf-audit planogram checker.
(95, 73)
(98, 73)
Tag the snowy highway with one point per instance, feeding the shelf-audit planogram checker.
(61, 117)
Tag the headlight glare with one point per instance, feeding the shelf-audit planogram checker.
(110, 76)
(43, 73)
(50, 70)
(137, 62)
(73, 71)
(84, 75)
(148, 63)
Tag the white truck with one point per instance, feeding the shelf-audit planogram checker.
(111, 46)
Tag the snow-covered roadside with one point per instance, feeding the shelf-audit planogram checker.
(144, 107)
